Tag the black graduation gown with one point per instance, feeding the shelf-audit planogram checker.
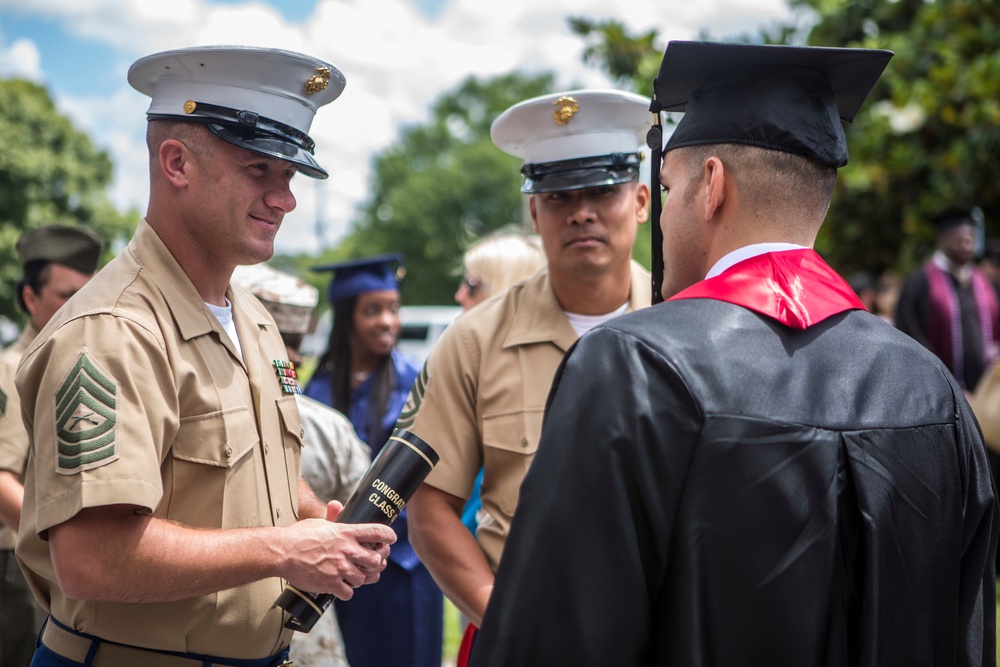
(713, 487)
(912, 318)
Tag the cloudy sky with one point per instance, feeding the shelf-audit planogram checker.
(398, 56)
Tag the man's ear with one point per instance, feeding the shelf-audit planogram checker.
(30, 299)
(175, 162)
(534, 215)
(642, 203)
(715, 186)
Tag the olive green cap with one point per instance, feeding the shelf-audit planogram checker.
(76, 247)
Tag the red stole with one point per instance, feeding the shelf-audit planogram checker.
(794, 287)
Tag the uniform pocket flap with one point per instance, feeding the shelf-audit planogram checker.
(217, 438)
(291, 421)
(513, 431)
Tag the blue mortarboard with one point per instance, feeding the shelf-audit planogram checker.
(360, 276)
(784, 98)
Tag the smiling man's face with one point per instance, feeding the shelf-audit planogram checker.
(236, 199)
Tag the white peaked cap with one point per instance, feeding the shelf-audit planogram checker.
(569, 127)
(261, 99)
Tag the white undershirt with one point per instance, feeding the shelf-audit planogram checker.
(583, 323)
(225, 316)
(746, 252)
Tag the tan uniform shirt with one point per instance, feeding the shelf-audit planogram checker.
(13, 437)
(135, 394)
(480, 397)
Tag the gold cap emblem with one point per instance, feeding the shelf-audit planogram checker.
(190, 106)
(318, 81)
(566, 109)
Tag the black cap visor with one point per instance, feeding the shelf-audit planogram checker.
(576, 174)
(272, 147)
(256, 133)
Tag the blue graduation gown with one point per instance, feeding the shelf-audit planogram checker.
(397, 621)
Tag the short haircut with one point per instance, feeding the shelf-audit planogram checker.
(771, 183)
(35, 276)
(193, 135)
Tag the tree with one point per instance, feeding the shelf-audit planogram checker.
(632, 61)
(928, 136)
(50, 173)
(925, 140)
(442, 185)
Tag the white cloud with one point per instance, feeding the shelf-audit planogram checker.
(397, 62)
(21, 59)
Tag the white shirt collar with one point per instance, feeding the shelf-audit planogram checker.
(746, 252)
(962, 272)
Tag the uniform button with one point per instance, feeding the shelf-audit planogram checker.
(524, 442)
(302, 433)
(278, 512)
(229, 451)
(266, 448)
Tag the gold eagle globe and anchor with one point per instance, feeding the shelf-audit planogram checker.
(567, 108)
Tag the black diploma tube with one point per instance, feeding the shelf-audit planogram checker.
(395, 474)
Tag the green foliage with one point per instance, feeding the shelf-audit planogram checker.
(50, 173)
(927, 138)
(632, 61)
(443, 185)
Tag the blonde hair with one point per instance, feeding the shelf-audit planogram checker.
(503, 258)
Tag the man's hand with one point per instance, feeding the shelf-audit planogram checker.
(11, 498)
(336, 558)
(449, 551)
(333, 510)
(134, 557)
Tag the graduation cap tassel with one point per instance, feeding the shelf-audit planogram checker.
(654, 140)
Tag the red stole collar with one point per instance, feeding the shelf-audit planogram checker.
(795, 287)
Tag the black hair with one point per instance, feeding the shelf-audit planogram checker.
(36, 276)
(336, 361)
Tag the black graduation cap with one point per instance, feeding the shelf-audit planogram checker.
(360, 276)
(952, 217)
(785, 98)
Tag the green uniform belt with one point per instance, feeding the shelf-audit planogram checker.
(75, 647)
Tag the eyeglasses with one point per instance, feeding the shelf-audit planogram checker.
(471, 285)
